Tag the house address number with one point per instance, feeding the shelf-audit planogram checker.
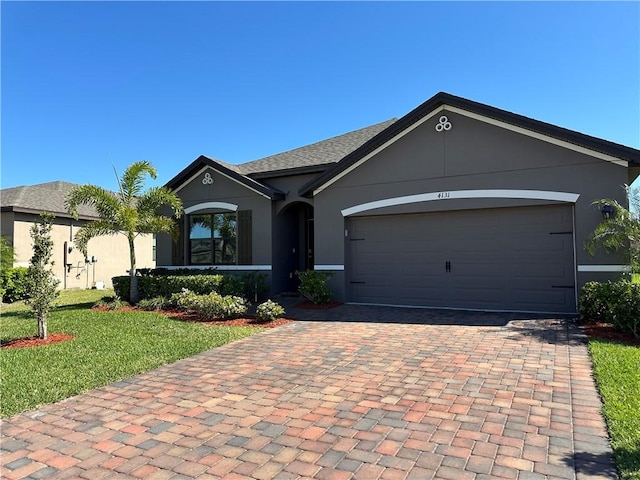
(443, 195)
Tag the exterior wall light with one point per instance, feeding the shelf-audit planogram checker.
(607, 211)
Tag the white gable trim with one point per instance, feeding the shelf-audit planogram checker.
(206, 205)
(207, 167)
(539, 136)
(462, 194)
(482, 118)
(377, 150)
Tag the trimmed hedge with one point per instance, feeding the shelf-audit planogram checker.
(162, 282)
(616, 303)
(165, 286)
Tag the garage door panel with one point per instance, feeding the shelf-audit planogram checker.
(507, 259)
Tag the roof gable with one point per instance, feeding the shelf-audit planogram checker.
(551, 133)
(230, 171)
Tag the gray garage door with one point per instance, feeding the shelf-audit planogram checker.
(518, 259)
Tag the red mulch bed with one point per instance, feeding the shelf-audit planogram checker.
(37, 342)
(248, 321)
(607, 332)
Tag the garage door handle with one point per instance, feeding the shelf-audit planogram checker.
(447, 266)
(357, 283)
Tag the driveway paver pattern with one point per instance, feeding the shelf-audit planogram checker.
(336, 400)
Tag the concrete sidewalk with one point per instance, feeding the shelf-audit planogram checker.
(337, 400)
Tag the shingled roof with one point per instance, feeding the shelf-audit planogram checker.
(316, 157)
(324, 152)
(49, 197)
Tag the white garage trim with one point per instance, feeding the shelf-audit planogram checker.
(217, 205)
(604, 268)
(462, 194)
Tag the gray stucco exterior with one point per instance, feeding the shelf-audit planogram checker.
(448, 155)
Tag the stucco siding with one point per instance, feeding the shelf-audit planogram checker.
(111, 252)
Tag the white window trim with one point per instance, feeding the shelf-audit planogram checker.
(211, 205)
(462, 194)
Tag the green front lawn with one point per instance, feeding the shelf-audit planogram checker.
(617, 372)
(109, 346)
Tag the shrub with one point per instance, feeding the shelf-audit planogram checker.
(255, 285)
(232, 285)
(616, 303)
(269, 311)
(185, 299)
(155, 303)
(13, 284)
(212, 305)
(313, 285)
(111, 303)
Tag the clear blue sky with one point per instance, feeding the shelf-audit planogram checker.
(88, 85)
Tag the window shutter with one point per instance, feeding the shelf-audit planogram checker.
(245, 237)
(177, 247)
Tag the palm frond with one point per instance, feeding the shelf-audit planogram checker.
(156, 197)
(132, 180)
(157, 224)
(104, 201)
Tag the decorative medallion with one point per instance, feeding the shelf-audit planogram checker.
(207, 180)
(443, 124)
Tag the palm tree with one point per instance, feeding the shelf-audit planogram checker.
(130, 212)
(620, 231)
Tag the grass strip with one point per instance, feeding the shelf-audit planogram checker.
(617, 373)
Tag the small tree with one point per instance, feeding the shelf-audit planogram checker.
(41, 283)
(620, 232)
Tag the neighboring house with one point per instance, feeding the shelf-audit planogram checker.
(108, 255)
(455, 205)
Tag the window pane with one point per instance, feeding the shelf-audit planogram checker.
(224, 225)
(225, 251)
(201, 251)
(200, 226)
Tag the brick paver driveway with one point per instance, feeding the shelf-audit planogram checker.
(336, 400)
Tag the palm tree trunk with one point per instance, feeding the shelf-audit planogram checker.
(134, 294)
